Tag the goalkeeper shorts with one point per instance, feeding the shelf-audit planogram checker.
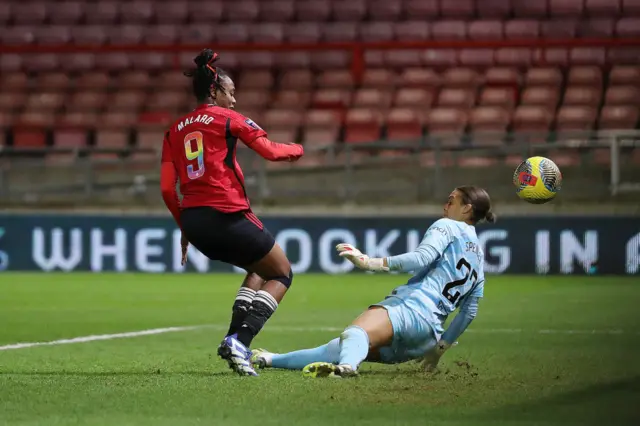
(413, 335)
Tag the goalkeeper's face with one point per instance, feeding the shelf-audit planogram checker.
(455, 209)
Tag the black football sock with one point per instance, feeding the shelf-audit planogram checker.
(262, 307)
(241, 307)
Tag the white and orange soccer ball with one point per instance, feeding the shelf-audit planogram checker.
(537, 180)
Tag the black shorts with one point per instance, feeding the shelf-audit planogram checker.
(237, 238)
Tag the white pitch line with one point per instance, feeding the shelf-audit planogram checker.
(280, 329)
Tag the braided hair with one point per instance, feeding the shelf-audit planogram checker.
(206, 78)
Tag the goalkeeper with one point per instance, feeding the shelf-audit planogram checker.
(408, 324)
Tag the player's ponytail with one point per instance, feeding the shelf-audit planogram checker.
(480, 203)
(205, 77)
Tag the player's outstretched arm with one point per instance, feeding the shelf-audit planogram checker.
(433, 244)
(361, 260)
(273, 151)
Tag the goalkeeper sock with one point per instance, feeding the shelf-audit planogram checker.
(354, 346)
(262, 307)
(240, 308)
(297, 360)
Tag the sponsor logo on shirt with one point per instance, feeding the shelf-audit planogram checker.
(252, 124)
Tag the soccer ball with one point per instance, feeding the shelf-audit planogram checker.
(538, 180)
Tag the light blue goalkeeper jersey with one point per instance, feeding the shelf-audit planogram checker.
(449, 270)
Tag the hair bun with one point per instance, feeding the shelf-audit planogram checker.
(490, 217)
(206, 57)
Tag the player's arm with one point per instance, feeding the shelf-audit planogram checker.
(256, 139)
(434, 243)
(168, 182)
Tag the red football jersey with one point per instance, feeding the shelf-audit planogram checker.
(201, 146)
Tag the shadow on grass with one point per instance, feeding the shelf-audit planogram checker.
(613, 403)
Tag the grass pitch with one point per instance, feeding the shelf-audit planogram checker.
(543, 350)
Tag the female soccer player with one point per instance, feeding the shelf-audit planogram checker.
(199, 151)
(408, 324)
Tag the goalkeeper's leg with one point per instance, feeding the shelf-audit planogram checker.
(297, 360)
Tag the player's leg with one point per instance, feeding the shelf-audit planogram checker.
(250, 286)
(275, 270)
(297, 360)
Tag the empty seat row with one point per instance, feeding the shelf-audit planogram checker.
(316, 32)
(340, 79)
(179, 11)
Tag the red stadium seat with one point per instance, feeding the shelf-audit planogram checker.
(372, 99)
(486, 30)
(477, 58)
(314, 11)
(89, 34)
(458, 8)
(335, 79)
(412, 30)
(40, 102)
(321, 128)
(601, 8)
(583, 95)
(419, 77)
(519, 29)
(439, 57)
(297, 79)
(559, 28)
(113, 61)
(242, 10)
(137, 11)
(10, 62)
(494, 8)
(13, 81)
(12, 101)
(575, 118)
(544, 96)
(55, 35)
(78, 120)
(94, 80)
(125, 34)
(276, 10)
(86, 101)
(282, 125)
(585, 75)
(587, 56)
(488, 125)
(631, 7)
(19, 35)
(618, 117)
(196, 33)
(402, 58)
(292, 99)
(270, 32)
(172, 101)
(174, 12)
(129, 101)
(449, 30)
(519, 57)
(530, 9)
(160, 34)
(54, 81)
(622, 95)
(533, 119)
(414, 98)
(379, 78)
(134, 80)
(543, 77)
(352, 10)
(459, 98)
(32, 12)
(404, 124)
(498, 96)
(362, 125)
(596, 28)
(254, 99)
(447, 124)
(461, 77)
(232, 33)
(330, 59)
(331, 99)
(502, 77)
(255, 79)
(422, 9)
(307, 32)
(563, 8)
(385, 10)
(103, 12)
(621, 74)
(5, 13)
(340, 31)
(628, 27)
(206, 11)
(377, 31)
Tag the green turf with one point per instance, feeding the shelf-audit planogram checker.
(543, 350)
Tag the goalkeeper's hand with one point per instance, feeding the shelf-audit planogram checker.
(360, 259)
(432, 358)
